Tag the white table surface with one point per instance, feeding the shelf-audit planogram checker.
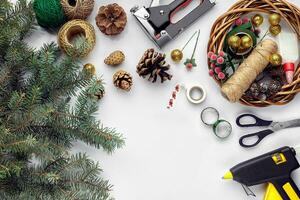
(171, 155)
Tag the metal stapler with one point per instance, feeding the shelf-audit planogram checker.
(157, 19)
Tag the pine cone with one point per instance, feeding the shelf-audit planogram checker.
(111, 19)
(153, 64)
(122, 80)
(115, 58)
(99, 94)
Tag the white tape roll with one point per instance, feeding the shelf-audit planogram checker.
(192, 91)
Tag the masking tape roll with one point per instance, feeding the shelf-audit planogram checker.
(196, 89)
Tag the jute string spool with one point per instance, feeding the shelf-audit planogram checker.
(78, 9)
(252, 66)
(289, 13)
(75, 28)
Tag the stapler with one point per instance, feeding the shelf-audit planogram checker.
(157, 19)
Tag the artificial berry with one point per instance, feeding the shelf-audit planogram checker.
(174, 95)
(218, 70)
(189, 66)
(238, 22)
(221, 75)
(222, 53)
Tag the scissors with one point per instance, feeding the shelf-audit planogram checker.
(271, 126)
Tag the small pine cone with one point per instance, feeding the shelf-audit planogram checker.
(123, 80)
(153, 64)
(115, 58)
(99, 94)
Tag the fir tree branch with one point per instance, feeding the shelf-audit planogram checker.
(38, 124)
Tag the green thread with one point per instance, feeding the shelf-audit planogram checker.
(49, 13)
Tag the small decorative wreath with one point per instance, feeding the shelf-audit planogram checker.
(289, 12)
(73, 29)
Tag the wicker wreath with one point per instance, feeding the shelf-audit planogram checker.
(289, 12)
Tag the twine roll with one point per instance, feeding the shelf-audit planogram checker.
(75, 28)
(49, 13)
(253, 65)
(77, 9)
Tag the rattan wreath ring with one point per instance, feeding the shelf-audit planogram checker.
(289, 12)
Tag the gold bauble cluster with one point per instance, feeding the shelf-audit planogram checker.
(240, 43)
(274, 20)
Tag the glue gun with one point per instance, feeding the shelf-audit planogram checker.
(274, 168)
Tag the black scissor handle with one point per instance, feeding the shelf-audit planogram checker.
(259, 135)
(258, 121)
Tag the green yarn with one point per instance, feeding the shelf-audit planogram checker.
(49, 13)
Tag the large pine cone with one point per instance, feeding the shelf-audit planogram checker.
(153, 64)
(111, 19)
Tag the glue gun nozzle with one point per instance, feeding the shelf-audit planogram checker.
(228, 176)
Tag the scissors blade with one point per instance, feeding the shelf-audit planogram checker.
(276, 126)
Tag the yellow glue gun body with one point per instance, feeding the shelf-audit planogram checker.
(273, 194)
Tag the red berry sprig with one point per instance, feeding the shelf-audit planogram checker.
(216, 64)
(173, 96)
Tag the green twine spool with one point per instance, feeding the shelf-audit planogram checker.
(49, 13)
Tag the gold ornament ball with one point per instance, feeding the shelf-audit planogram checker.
(274, 19)
(275, 30)
(275, 59)
(90, 68)
(257, 20)
(234, 41)
(176, 55)
(246, 42)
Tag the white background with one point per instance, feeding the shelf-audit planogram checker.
(171, 155)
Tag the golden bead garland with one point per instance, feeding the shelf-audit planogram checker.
(75, 28)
